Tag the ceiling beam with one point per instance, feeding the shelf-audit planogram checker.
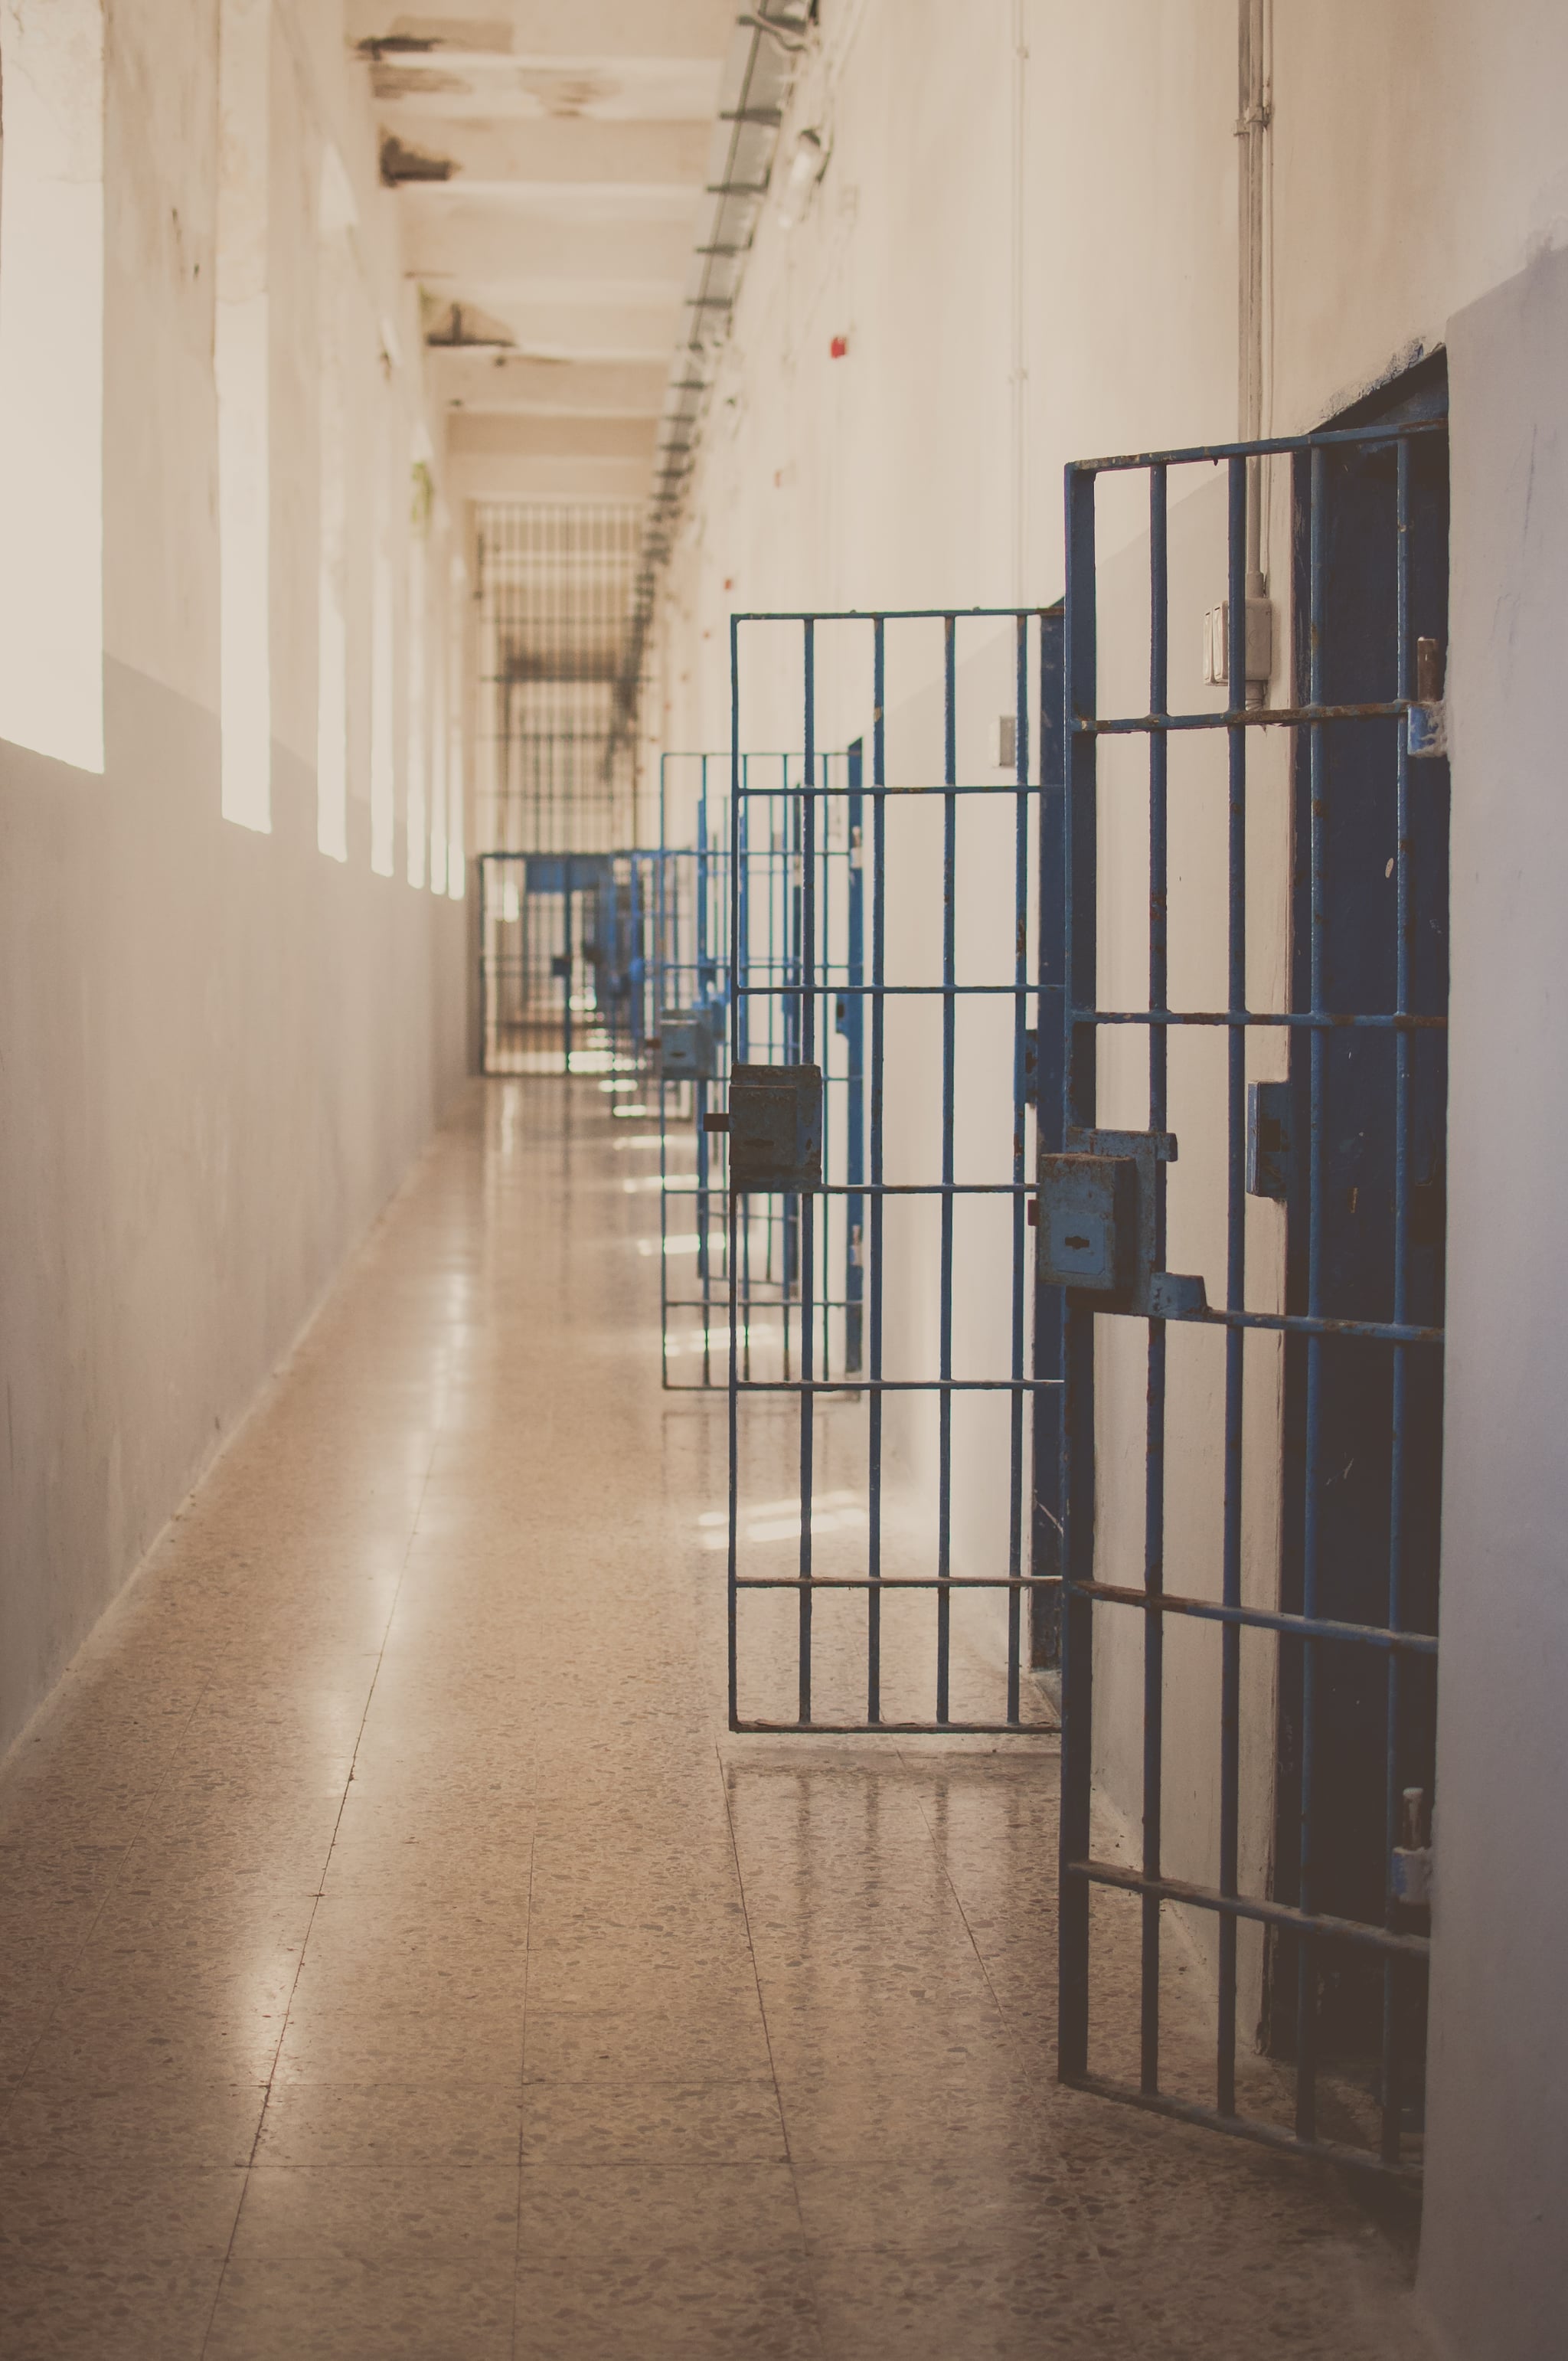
(587, 29)
(472, 245)
(518, 383)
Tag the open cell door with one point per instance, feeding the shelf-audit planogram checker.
(1246, 1218)
(895, 918)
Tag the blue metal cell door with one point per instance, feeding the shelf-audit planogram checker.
(561, 963)
(896, 911)
(1246, 1217)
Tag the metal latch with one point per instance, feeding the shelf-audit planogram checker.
(775, 1127)
(1097, 1224)
(1410, 1871)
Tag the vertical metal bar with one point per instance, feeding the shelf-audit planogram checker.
(738, 1009)
(699, 1087)
(1046, 1555)
(571, 967)
(1154, 1470)
(945, 1311)
(1019, 1225)
(853, 1028)
(1081, 964)
(878, 998)
(1236, 1296)
(808, 1022)
(1307, 1964)
(741, 1020)
(1392, 2094)
(823, 975)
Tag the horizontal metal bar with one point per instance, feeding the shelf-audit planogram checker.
(859, 1385)
(1261, 1618)
(1305, 1020)
(1235, 717)
(889, 1187)
(1248, 2127)
(896, 1729)
(888, 615)
(783, 981)
(1368, 437)
(799, 790)
(895, 1582)
(1312, 1925)
(1294, 1323)
(736, 189)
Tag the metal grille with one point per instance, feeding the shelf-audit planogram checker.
(1258, 1618)
(880, 1381)
(563, 965)
(557, 704)
(692, 994)
(698, 1039)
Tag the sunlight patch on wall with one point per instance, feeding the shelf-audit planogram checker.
(456, 609)
(438, 749)
(51, 380)
(334, 291)
(383, 680)
(418, 717)
(241, 362)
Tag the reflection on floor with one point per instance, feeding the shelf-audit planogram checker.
(401, 1960)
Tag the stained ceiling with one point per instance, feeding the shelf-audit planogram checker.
(550, 157)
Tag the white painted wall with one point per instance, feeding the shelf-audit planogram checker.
(1419, 194)
(1496, 2253)
(221, 1049)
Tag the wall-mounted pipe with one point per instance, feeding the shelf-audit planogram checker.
(1254, 109)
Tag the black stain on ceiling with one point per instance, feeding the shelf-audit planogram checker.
(402, 163)
(456, 328)
(394, 45)
(483, 37)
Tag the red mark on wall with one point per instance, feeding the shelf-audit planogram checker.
(839, 347)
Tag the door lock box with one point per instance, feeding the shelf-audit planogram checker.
(1097, 1224)
(775, 1127)
(688, 1043)
(1089, 1211)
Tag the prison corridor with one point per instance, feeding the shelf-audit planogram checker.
(402, 1959)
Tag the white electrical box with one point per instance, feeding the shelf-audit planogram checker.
(1259, 642)
(1005, 755)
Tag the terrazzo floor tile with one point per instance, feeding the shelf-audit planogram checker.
(406, 1961)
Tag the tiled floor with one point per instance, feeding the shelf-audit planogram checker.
(398, 1959)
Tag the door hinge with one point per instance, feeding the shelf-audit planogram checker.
(1410, 1868)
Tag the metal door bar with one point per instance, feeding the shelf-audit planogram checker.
(1402, 1945)
(693, 963)
(549, 924)
(781, 989)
